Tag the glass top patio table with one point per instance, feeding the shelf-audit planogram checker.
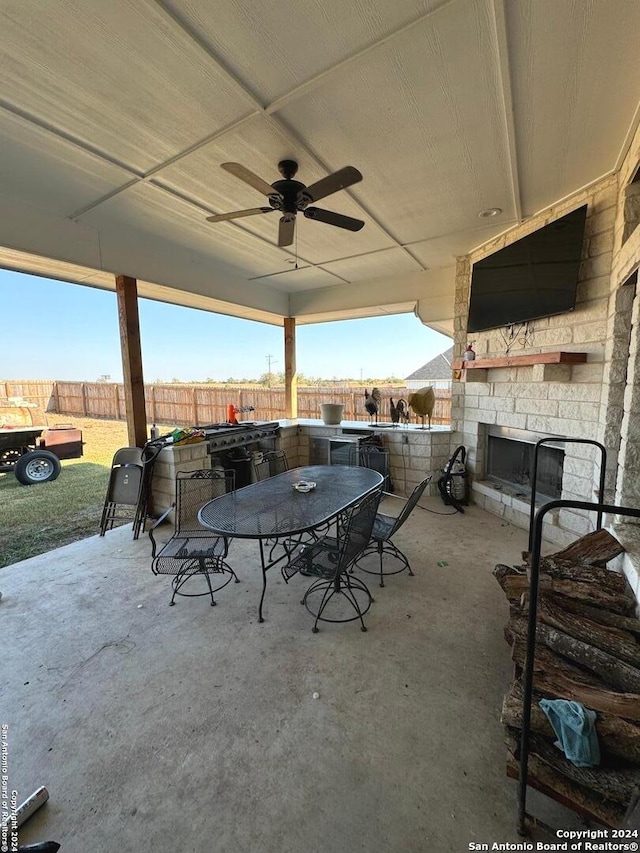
(273, 509)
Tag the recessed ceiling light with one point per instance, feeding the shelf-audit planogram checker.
(291, 260)
(489, 212)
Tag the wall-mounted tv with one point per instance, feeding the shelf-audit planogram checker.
(533, 277)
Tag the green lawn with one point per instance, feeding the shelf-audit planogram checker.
(39, 518)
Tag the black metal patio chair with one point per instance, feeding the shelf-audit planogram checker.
(193, 551)
(261, 469)
(277, 460)
(384, 527)
(335, 595)
(374, 457)
(272, 462)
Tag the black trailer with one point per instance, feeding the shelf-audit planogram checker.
(34, 453)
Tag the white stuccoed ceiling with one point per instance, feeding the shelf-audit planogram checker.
(115, 116)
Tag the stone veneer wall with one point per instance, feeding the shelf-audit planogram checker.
(598, 400)
(625, 366)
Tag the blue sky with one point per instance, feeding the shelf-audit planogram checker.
(53, 330)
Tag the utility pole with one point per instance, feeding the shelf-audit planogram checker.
(270, 359)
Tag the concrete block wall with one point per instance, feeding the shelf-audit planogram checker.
(426, 452)
(289, 441)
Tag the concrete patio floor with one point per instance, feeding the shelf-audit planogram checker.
(194, 728)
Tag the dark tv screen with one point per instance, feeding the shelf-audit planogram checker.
(533, 277)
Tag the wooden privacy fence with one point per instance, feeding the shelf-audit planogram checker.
(38, 391)
(199, 405)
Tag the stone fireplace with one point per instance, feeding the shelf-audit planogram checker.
(591, 391)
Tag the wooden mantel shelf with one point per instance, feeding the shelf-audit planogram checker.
(521, 360)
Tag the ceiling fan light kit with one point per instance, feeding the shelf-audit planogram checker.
(290, 197)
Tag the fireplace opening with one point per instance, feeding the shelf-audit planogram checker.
(510, 462)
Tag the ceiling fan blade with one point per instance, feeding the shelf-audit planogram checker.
(332, 218)
(339, 180)
(238, 214)
(285, 231)
(249, 177)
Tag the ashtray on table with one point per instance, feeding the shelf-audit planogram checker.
(304, 486)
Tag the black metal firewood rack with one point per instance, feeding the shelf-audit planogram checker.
(534, 475)
(535, 540)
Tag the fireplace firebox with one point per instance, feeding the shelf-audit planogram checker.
(510, 462)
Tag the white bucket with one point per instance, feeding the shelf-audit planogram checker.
(331, 413)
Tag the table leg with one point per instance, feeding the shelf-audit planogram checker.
(267, 561)
(264, 580)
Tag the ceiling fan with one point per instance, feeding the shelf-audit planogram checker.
(289, 197)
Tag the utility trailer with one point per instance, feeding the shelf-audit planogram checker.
(34, 453)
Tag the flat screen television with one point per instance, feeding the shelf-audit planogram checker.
(536, 276)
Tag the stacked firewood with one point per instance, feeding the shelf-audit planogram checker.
(587, 650)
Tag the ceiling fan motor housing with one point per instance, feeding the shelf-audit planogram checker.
(290, 193)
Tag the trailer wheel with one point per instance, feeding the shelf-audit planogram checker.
(8, 458)
(37, 466)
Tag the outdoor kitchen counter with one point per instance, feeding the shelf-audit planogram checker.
(413, 453)
(383, 427)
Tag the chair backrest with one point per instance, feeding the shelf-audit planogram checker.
(277, 461)
(262, 469)
(193, 490)
(356, 533)
(408, 508)
(125, 482)
(375, 458)
(370, 456)
(127, 456)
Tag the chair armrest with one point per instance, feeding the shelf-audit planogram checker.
(395, 503)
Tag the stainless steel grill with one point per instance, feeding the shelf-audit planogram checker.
(223, 437)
